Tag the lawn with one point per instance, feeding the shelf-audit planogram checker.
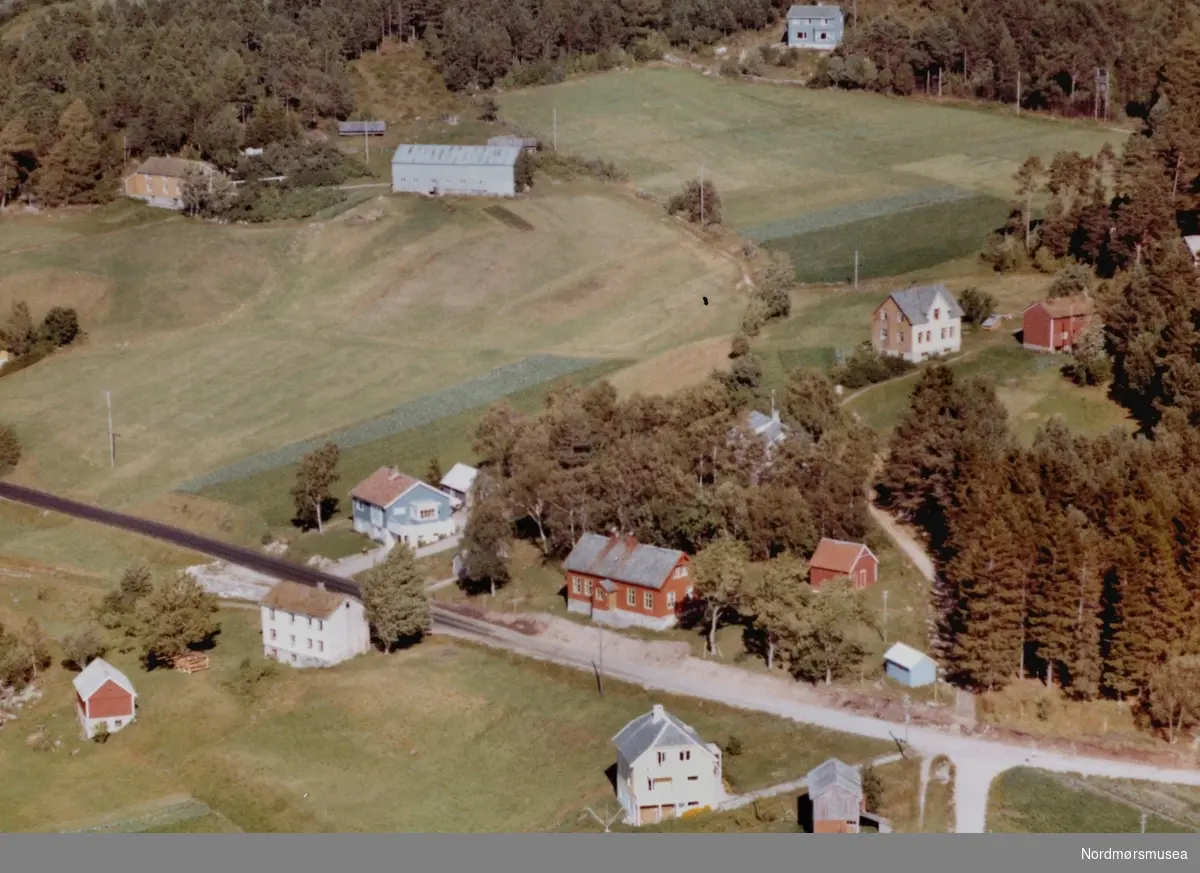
(219, 343)
(1033, 802)
(442, 737)
(816, 173)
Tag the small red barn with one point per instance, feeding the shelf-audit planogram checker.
(617, 580)
(104, 695)
(836, 558)
(1054, 325)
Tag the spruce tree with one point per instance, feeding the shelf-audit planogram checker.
(75, 166)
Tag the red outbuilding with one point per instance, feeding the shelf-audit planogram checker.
(837, 558)
(1054, 325)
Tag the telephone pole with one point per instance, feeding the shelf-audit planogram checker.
(856, 288)
(702, 222)
(112, 437)
(1018, 91)
(885, 615)
(366, 144)
(556, 129)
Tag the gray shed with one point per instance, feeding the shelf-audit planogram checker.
(835, 789)
(443, 169)
(358, 128)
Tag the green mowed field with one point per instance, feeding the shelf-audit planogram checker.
(816, 173)
(1033, 802)
(222, 342)
(442, 737)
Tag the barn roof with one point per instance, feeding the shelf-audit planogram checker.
(904, 656)
(97, 673)
(1065, 307)
(814, 11)
(622, 559)
(837, 555)
(476, 156)
(833, 773)
(461, 477)
(655, 729)
(302, 600)
(175, 168)
(348, 127)
(383, 487)
(916, 302)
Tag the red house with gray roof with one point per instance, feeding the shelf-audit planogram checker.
(837, 558)
(618, 581)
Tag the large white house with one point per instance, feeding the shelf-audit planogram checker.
(390, 507)
(664, 769)
(312, 627)
(918, 323)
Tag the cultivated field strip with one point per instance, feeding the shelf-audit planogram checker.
(851, 212)
(473, 393)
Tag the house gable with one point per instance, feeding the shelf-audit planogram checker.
(412, 506)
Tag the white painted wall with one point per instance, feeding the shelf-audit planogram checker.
(496, 180)
(91, 725)
(634, 780)
(342, 636)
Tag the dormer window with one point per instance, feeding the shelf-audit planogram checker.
(937, 313)
(883, 315)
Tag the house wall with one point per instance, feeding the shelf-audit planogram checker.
(836, 804)
(162, 191)
(938, 336)
(923, 673)
(687, 777)
(662, 610)
(819, 33)
(319, 642)
(891, 334)
(110, 700)
(487, 180)
(863, 574)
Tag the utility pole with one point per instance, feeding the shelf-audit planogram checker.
(885, 615)
(1018, 91)
(702, 195)
(907, 713)
(939, 83)
(1143, 822)
(366, 144)
(556, 129)
(856, 288)
(112, 437)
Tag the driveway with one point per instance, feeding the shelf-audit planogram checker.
(355, 564)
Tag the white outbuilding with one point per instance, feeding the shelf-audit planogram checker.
(104, 696)
(457, 483)
(441, 169)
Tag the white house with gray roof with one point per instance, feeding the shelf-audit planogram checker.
(665, 769)
(464, 170)
(917, 323)
(815, 27)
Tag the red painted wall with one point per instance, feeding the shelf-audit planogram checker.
(110, 701)
(620, 600)
(817, 576)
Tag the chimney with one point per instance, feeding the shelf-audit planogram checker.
(656, 714)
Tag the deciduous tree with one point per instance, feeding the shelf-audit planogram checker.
(395, 600)
(312, 493)
(720, 574)
(10, 449)
(778, 603)
(826, 644)
(175, 616)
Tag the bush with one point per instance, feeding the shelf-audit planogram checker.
(752, 66)
(740, 346)
(769, 54)
(249, 677)
(569, 167)
(976, 305)
(648, 49)
(868, 367)
(699, 203)
(10, 449)
(83, 646)
(872, 788)
(733, 746)
(60, 327)
(259, 202)
(754, 317)
(730, 67)
(1003, 253)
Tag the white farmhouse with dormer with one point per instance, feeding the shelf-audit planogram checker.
(917, 323)
(312, 627)
(664, 769)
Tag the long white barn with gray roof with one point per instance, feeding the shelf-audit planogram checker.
(487, 171)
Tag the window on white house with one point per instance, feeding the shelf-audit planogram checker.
(685, 756)
(937, 313)
(274, 652)
(310, 621)
(630, 597)
(292, 639)
(588, 587)
(119, 722)
(320, 645)
(693, 779)
(670, 600)
(293, 658)
(648, 600)
(272, 633)
(320, 625)
(272, 615)
(576, 584)
(310, 642)
(291, 618)
(952, 331)
(662, 757)
(943, 333)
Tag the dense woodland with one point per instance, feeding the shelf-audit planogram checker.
(84, 87)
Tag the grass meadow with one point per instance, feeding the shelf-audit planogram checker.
(816, 173)
(441, 737)
(222, 342)
(1033, 802)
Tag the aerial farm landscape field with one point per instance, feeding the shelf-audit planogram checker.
(387, 325)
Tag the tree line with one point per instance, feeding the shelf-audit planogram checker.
(1075, 560)
(1043, 54)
